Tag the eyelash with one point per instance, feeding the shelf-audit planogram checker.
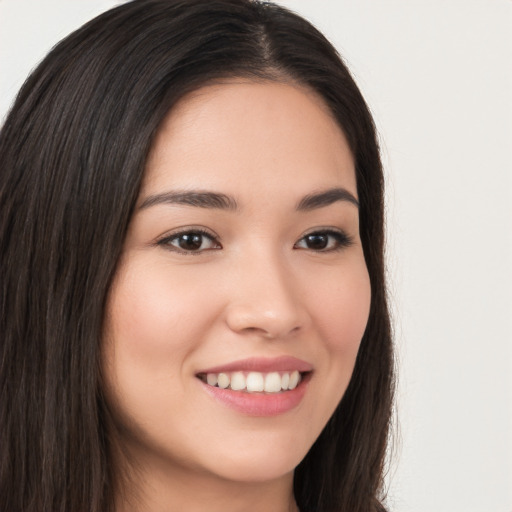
(166, 241)
(342, 240)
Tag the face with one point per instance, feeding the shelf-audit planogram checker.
(242, 273)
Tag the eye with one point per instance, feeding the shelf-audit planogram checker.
(325, 240)
(190, 241)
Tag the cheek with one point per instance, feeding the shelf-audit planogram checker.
(152, 314)
(342, 310)
(151, 328)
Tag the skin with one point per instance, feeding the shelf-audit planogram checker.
(255, 288)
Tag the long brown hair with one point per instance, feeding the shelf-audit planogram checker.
(72, 156)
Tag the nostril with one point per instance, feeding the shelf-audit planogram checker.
(253, 320)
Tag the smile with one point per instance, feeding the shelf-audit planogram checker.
(254, 382)
(258, 386)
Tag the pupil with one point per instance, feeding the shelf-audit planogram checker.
(317, 241)
(190, 242)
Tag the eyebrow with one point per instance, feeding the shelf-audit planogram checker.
(216, 200)
(197, 198)
(326, 198)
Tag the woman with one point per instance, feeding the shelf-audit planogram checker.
(193, 300)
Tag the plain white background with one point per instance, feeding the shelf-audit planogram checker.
(438, 77)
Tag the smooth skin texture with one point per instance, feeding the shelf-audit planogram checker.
(204, 285)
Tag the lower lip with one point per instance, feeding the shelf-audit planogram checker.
(260, 404)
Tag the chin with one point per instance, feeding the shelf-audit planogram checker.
(264, 462)
(250, 472)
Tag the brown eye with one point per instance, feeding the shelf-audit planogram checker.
(324, 241)
(317, 241)
(190, 241)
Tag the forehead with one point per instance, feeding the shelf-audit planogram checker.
(245, 133)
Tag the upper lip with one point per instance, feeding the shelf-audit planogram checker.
(263, 365)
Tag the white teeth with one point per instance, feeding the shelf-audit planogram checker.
(223, 380)
(237, 381)
(294, 380)
(272, 382)
(255, 382)
(211, 378)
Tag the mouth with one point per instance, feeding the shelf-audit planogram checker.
(258, 386)
(255, 382)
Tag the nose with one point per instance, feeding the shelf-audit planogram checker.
(265, 300)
